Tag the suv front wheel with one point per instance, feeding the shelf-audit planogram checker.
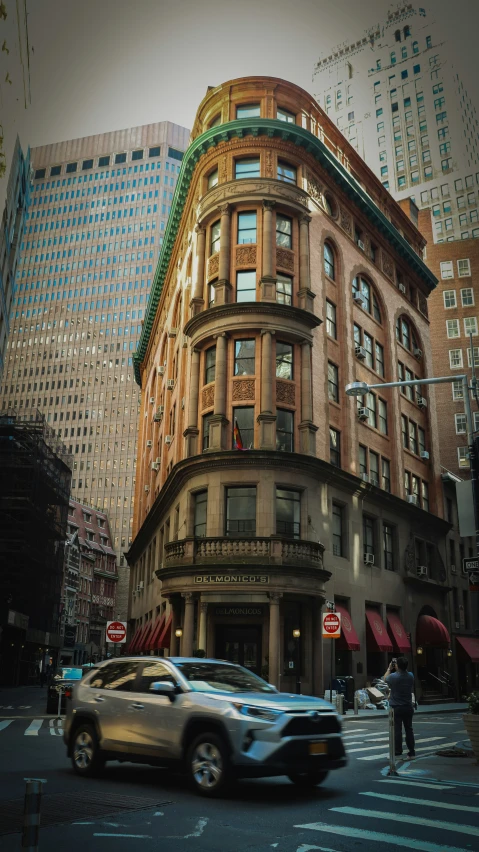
(208, 765)
(87, 758)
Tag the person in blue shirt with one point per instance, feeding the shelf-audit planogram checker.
(401, 684)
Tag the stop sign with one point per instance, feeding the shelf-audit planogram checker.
(331, 625)
(116, 631)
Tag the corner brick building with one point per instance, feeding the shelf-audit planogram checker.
(287, 272)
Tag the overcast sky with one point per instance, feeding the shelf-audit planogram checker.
(99, 65)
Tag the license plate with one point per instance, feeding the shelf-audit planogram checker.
(318, 748)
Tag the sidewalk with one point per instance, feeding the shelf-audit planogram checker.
(23, 701)
(423, 709)
(434, 767)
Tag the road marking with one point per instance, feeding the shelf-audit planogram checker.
(137, 836)
(432, 804)
(424, 748)
(357, 730)
(368, 737)
(415, 784)
(379, 836)
(371, 748)
(33, 728)
(5, 724)
(429, 823)
(200, 827)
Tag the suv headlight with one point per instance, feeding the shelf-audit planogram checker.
(258, 712)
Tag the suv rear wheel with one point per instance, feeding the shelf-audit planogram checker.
(307, 779)
(208, 765)
(87, 758)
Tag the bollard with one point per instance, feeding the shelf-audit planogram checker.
(392, 752)
(356, 704)
(31, 813)
(339, 703)
(59, 701)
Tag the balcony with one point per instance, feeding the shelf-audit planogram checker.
(243, 551)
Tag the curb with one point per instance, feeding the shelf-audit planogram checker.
(383, 714)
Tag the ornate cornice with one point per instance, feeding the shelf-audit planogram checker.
(291, 317)
(271, 128)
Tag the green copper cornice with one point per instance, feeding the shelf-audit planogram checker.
(271, 128)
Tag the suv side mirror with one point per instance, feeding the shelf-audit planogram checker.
(164, 687)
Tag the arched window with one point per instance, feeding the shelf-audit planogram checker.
(407, 31)
(329, 261)
(397, 35)
(329, 205)
(405, 334)
(366, 297)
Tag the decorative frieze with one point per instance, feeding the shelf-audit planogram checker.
(346, 221)
(387, 265)
(208, 396)
(213, 265)
(246, 255)
(243, 389)
(285, 392)
(285, 259)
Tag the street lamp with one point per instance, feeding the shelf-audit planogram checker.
(178, 632)
(296, 637)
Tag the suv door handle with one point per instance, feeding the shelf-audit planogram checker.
(138, 706)
(98, 698)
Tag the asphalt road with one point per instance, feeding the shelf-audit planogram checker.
(138, 807)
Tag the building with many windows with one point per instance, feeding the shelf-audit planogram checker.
(92, 235)
(262, 490)
(400, 101)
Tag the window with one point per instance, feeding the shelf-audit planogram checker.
(288, 510)
(284, 360)
(71, 167)
(385, 474)
(405, 334)
(213, 179)
(368, 535)
(211, 292)
(284, 115)
(247, 168)
(210, 364)
(284, 289)
(333, 382)
(475, 356)
(153, 672)
(413, 437)
(368, 346)
(246, 228)
(373, 468)
(215, 237)
(120, 158)
(331, 319)
(463, 457)
(248, 111)
(338, 519)
(329, 261)
(55, 170)
(470, 326)
(464, 268)
(393, 57)
(379, 351)
(154, 152)
(284, 431)
(116, 676)
(243, 417)
(246, 286)
(215, 122)
(244, 358)
(461, 425)
(383, 416)
(404, 431)
(201, 504)
(286, 172)
(87, 164)
(206, 430)
(369, 301)
(416, 69)
(334, 447)
(449, 297)
(455, 358)
(363, 460)
(284, 231)
(372, 409)
(103, 161)
(467, 297)
(137, 155)
(241, 511)
(425, 496)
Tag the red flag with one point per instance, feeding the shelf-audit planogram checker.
(238, 443)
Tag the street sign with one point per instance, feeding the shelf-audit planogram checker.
(116, 632)
(331, 625)
(470, 565)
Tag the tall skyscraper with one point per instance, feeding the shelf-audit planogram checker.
(88, 253)
(398, 98)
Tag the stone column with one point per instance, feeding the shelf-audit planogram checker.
(188, 625)
(202, 626)
(191, 432)
(274, 638)
(306, 296)
(223, 287)
(317, 655)
(267, 416)
(307, 429)
(219, 422)
(268, 279)
(197, 302)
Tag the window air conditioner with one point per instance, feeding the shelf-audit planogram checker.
(158, 415)
(358, 297)
(185, 342)
(361, 245)
(149, 443)
(158, 460)
(161, 371)
(152, 400)
(421, 570)
(457, 625)
(173, 332)
(168, 439)
(155, 466)
(418, 354)
(422, 402)
(453, 569)
(141, 586)
(424, 455)
(360, 352)
(365, 477)
(363, 413)
(413, 499)
(369, 559)
(170, 383)
(402, 287)
(147, 488)
(134, 594)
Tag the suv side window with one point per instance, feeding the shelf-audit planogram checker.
(153, 672)
(116, 676)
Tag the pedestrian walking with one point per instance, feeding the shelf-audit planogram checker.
(401, 684)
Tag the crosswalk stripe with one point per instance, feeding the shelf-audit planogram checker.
(381, 837)
(356, 730)
(33, 728)
(429, 802)
(429, 823)
(367, 737)
(424, 748)
(371, 748)
(5, 724)
(393, 780)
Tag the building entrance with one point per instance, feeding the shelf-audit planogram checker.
(239, 644)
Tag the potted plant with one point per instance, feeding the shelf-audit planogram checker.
(471, 722)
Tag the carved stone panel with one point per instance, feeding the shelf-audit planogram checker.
(243, 389)
(285, 259)
(246, 255)
(314, 189)
(387, 264)
(285, 392)
(213, 265)
(346, 221)
(208, 396)
(268, 164)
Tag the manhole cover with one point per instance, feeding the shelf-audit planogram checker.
(68, 807)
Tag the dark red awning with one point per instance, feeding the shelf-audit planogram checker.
(377, 638)
(399, 635)
(471, 646)
(432, 632)
(139, 639)
(348, 641)
(133, 640)
(145, 637)
(165, 636)
(155, 633)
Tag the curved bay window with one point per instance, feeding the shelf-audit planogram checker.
(215, 237)
(369, 300)
(246, 227)
(284, 231)
(245, 357)
(247, 168)
(246, 286)
(405, 334)
(288, 512)
(240, 511)
(210, 364)
(329, 261)
(243, 420)
(199, 524)
(206, 430)
(284, 289)
(284, 431)
(284, 360)
(286, 172)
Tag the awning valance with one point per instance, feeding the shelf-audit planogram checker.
(432, 632)
(145, 637)
(165, 636)
(471, 646)
(348, 640)
(133, 640)
(398, 633)
(153, 641)
(377, 638)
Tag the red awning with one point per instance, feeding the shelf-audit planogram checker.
(145, 637)
(133, 640)
(432, 632)
(155, 633)
(377, 638)
(471, 646)
(139, 639)
(399, 635)
(165, 636)
(348, 640)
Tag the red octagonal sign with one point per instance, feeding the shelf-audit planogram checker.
(116, 631)
(332, 625)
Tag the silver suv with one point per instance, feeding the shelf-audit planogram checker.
(214, 719)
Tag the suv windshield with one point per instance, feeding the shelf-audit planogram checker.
(212, 677)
